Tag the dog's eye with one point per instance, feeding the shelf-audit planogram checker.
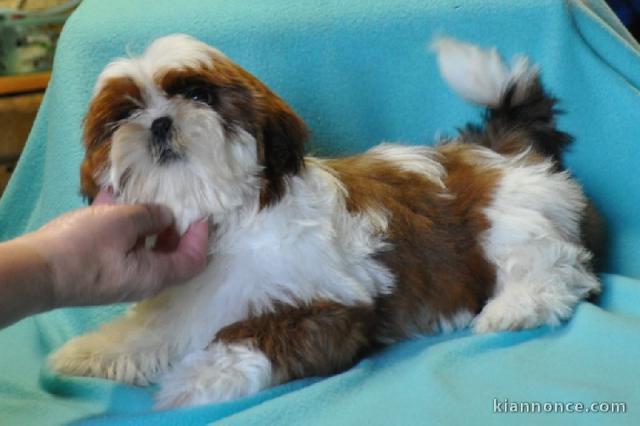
(200, 94)
(123, 114)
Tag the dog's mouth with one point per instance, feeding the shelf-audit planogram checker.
(164, 154)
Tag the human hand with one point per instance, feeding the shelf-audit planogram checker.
(97, 255)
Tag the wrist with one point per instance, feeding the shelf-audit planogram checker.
(26, 287)
(37, 271)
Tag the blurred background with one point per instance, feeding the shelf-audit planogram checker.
(29, 30)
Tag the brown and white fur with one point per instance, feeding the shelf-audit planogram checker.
(314, 262)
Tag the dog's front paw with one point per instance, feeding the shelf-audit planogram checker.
(220, 373)
(96, 356)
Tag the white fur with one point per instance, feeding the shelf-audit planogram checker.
(218, 373)
(217, 177)
(479, 75)
(423, 160)
(534, 244)
(177, 51)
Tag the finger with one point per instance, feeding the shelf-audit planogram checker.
(190, 258)
(105, 196)
(156, 270)
(141, 220)
(153, 271)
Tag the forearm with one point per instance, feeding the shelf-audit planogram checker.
(25, 281)
(92, 256)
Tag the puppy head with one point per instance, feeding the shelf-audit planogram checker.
(184, 126)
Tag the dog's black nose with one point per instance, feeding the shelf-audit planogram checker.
(161, 127)
(160, 144)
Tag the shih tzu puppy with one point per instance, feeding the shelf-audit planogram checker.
(314, 262)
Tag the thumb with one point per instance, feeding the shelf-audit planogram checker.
(190, 257)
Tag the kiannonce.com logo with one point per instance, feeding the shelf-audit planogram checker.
(504, 406)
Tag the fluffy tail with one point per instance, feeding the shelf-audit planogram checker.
(520, 113)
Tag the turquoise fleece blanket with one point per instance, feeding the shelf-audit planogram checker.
(359, 72)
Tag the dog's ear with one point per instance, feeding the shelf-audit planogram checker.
(115, 101)
(95, 160)
(283, 137)
(98, 126)
(95, 138)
